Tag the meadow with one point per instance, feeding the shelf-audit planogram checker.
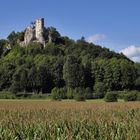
(69, 120)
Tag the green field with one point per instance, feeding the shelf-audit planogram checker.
(69, 120)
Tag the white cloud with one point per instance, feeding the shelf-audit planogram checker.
(136, 59)
(132, 52)
(95, 38)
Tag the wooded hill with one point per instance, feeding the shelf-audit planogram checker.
(64, 64)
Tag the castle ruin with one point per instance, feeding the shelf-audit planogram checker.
(39, 29)
(34, 33)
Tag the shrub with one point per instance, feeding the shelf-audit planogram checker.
(6, 95)
(131, 96)
(121, 94)
(63, 93)
(99, 90)
(79, 94)
(56, 94)
(111, 97)
(70, 93)
(138, 97)
(125, 93)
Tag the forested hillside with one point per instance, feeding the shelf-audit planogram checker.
(64, 65)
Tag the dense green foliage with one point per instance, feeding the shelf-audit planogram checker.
(59, 93)
(99, 90)
(130, 96)
(79, 94)
(64, 63)
(111, 97)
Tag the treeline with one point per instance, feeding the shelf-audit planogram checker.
(64, 65)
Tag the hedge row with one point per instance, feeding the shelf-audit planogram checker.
(79, 94)
(127, 96)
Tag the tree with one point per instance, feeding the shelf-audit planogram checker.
(53, 35)
(137, 82)
(128, 74)
(66, 41)
(15, 87)
(34, 49)
(32, 80)
(14, 38)
(99, 90)
(79, 94)
(51, 49)
(7, 70)
(44, 82)
(97, 72)
(57, 72)
(23, 79)
(116, 71)
(73, 73)
(89, 80)
(88, 93)
(108, 76)
(3, 44)
(1, 50)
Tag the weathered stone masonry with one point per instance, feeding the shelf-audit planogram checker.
(34, 34)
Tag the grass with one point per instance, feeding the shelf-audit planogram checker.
(69, 120)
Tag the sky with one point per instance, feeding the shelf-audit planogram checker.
(114, 24)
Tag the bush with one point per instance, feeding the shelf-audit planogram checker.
(121, 94)
(70, 93)
(131, 96)
(99, 90)
(63, 92)
(6, 95)
(79, 94)
(58, 93)
(111, 97)
(55, 94)
(138, 97)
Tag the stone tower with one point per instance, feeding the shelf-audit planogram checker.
(34, 33)
(39, 30)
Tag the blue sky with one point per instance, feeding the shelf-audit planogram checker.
(114, 24)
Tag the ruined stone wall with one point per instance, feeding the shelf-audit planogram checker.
(34, 34)
(29, 35)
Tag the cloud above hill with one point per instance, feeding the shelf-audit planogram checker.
(95, 38)
(132, 52)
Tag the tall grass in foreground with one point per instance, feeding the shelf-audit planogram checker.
(69, 121)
